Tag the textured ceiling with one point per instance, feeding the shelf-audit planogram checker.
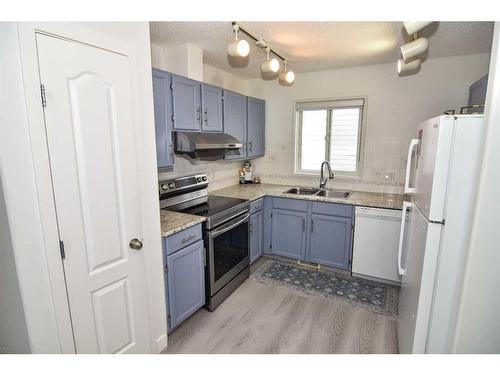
(311, 46)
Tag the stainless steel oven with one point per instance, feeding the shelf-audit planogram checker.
(225, 232)
(228, 255)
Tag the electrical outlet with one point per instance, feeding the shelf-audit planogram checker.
(389, 175)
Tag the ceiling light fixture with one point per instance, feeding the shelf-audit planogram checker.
(409, 67)
(415, 26)
(414, 48)
(270, 65)
(286, 77)
(238, 48)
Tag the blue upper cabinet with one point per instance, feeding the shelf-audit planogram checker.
(235, 119)
(211, 99)
(186, 104)
(162, 98)
(256, 118)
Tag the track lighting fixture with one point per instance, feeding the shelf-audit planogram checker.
(271, 66)
(414, 48)
(414, 27)
(238, 48)
(409, 67)
(286, 77)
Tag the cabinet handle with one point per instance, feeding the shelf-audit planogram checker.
(205, 115)
(303, 225)
(251, 145)
(312, 225)
(188, 238)
(198, 112)
(251, 229)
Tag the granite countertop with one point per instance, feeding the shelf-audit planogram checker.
(357, 198)
(173, 222)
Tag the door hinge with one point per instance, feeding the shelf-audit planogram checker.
(42, 93)
(61, 248)
(166, 269)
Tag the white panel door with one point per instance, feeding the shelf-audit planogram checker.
(91, 142)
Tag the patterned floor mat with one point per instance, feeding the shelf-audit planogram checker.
(377, 297)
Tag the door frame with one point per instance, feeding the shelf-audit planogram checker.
(95, 35)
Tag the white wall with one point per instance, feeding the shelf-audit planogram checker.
(395, 105)
(220, 173)
(478, 325)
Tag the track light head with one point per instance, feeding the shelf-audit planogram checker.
(286, 77)
(415, 26)
(410, 67)
(270, 65)
(238, 48)
(414, 48)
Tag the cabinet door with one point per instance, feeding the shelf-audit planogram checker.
(211, 99)
(331, 241)
(186, 282)
(187, 103)
(256, 119)
(162, 97)
(289, 233)
(235, 117)
(256, 233)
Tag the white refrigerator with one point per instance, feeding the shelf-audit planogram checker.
(441, 178)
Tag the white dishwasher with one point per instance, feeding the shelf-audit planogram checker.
(376, 240)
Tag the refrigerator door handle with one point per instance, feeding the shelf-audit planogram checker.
(408, 189)
(406, 205)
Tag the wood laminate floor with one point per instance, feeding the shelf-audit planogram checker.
(264, 318)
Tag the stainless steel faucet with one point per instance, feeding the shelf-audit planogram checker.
(322, 180)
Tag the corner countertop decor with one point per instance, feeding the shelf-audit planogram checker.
(357, 198)
(173, 222)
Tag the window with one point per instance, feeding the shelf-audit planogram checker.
(329, 130)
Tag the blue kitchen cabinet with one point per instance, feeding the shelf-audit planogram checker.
(211, 99)
(289, 233)
(235, 119)
(186, 95)
(256, 235)
(185, 270)
(256, 118)
(331, 241)
(162, 99)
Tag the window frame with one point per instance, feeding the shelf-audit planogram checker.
(298, 134)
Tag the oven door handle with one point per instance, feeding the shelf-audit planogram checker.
(216, 233)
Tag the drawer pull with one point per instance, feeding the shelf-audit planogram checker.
(189, 238)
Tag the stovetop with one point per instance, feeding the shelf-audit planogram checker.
(214, 206)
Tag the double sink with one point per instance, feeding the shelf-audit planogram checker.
(327, 193)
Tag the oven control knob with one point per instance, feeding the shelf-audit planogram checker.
(204, 178)
(198, 179)
(164, 187)
(171, 185)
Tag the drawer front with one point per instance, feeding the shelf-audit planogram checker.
(333, 209)
(257, 205)
(182, 239)
(290, 204)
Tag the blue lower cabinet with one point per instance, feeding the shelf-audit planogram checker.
(185, 282)
(289, 233)
(256, 235)
(331, 241)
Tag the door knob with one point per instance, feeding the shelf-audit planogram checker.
(135, 244)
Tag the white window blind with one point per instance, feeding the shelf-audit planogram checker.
(329, 130)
